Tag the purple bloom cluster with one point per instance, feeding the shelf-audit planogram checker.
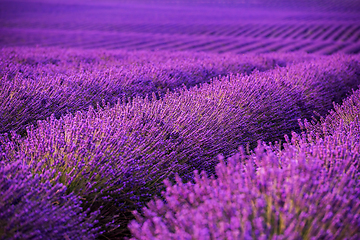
(33, 208)
(36, 83)
(344, 115)
(307, 190)
(116, 156)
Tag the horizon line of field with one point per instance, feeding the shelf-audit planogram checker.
(308, 31)
(152, 42)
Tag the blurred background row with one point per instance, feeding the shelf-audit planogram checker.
(237, 26)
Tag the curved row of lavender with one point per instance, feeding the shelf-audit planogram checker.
(35, 83)
(308, 190)
(116, 158)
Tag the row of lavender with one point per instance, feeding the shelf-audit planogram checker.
(113, 160)
(36, 83)
(308, 190)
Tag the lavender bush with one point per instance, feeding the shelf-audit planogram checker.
(324, 85)
(287, 197)
(91, 176)
(36, 83)
(117, 157)
(344, 115)
(308, 190)
(31, 208)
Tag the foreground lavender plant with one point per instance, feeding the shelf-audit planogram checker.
(298, 201)
(31, 208)
(301, 192)
(93, 177)
(307, 190)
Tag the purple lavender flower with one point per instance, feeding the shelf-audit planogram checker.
(36, 83)
(31, 208)
(308, 190)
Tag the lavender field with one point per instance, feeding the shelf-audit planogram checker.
(187, 120)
